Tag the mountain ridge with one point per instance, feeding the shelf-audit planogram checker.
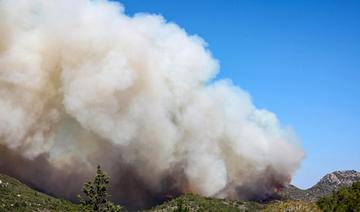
(325, 186)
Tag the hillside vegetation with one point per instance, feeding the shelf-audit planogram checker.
(190, 202)
(346, 199)
(15, 196)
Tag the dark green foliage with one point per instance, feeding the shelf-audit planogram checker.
(346, 199)
(96, 194)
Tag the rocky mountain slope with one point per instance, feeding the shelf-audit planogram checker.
(324, 187)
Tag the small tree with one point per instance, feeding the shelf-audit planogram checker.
(96, 194)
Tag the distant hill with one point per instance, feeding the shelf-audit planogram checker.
(329, 183)
(15, 196)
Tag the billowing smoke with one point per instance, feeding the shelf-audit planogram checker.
(83, 84)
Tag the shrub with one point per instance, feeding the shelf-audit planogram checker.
(346, 199)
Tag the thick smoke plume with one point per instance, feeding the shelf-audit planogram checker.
(81, 83)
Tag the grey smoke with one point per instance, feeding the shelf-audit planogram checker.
(82, 83)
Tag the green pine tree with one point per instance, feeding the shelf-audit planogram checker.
(96, 194)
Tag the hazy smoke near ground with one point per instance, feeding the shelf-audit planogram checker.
(81, 83)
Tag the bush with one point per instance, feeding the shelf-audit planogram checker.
(346, 199)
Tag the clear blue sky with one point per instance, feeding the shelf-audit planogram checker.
(297, 58)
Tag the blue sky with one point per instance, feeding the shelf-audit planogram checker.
(299, 59)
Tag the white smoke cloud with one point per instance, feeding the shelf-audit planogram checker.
(75, 75)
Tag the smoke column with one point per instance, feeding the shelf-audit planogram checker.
(81, 83)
